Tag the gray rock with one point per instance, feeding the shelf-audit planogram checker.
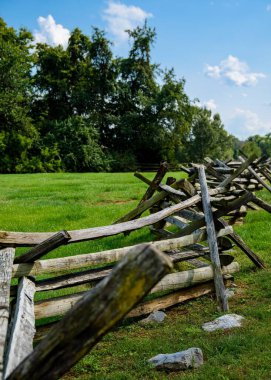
(155, 317)
(229, 293)
(225, 322)
(191, 358)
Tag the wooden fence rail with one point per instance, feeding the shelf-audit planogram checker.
(94, 315)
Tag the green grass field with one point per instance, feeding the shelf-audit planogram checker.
(50, 202)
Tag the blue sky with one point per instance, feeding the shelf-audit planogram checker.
(221, 47)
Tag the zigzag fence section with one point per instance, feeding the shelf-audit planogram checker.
(192, 221)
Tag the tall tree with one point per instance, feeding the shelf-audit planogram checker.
(16, 130)
(207, 137)
(52, 83)
(136, 82)
(152, 117)
(262, 142)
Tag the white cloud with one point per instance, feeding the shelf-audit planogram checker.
(50, 32)
(233, 71)
(244, 123)
(120, 17)
(268, 7)
(210, 105)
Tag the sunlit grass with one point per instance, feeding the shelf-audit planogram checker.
(51, 202)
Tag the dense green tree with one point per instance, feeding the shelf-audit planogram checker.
(151, 116)
(251, 148)
(134, 95)
(52, 100)
(207, 137)
(16, 129)
(173, 115)
(77, 143)
(262, 142)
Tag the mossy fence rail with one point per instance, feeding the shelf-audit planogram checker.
(192, 219)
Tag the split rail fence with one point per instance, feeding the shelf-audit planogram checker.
(131, 281)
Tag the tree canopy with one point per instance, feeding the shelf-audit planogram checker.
(83, 109)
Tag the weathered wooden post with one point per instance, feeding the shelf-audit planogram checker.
(22, 326)
(212, 241)
(6, 261)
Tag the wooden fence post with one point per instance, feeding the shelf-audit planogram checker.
(22, 326)
(6, 261)
(212, 241)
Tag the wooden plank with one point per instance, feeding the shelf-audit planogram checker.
(171, 192)
(69, 263)
(181, 184)
(247, 197)
(94, 315)
(264, 205)
(6, 261)
(44, 247)
(8, 238)
(57, 306)
(265, 173)
(160, 233)
(221, 164)
(212, 242)
(95, 275)
(191, 277)
(136, 212)
(238, 171)
(68, 280)
(187, 188)
(197, 263)
(186, 170)
(259, 179)
(179, 256)
(214, 173)
(161, 172)
(237, 216)
(223, 170)
(160, 303)
(243, 246)
(174, 298)
(179, 280)
(191, 215)
(176, 220)
(20, 343)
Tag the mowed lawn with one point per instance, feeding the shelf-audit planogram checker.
(51, 202)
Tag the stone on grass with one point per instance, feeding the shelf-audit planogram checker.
(155, 317)
(191, 358)
(227, 321)
(229, 293)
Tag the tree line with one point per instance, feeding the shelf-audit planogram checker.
(83, 109)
